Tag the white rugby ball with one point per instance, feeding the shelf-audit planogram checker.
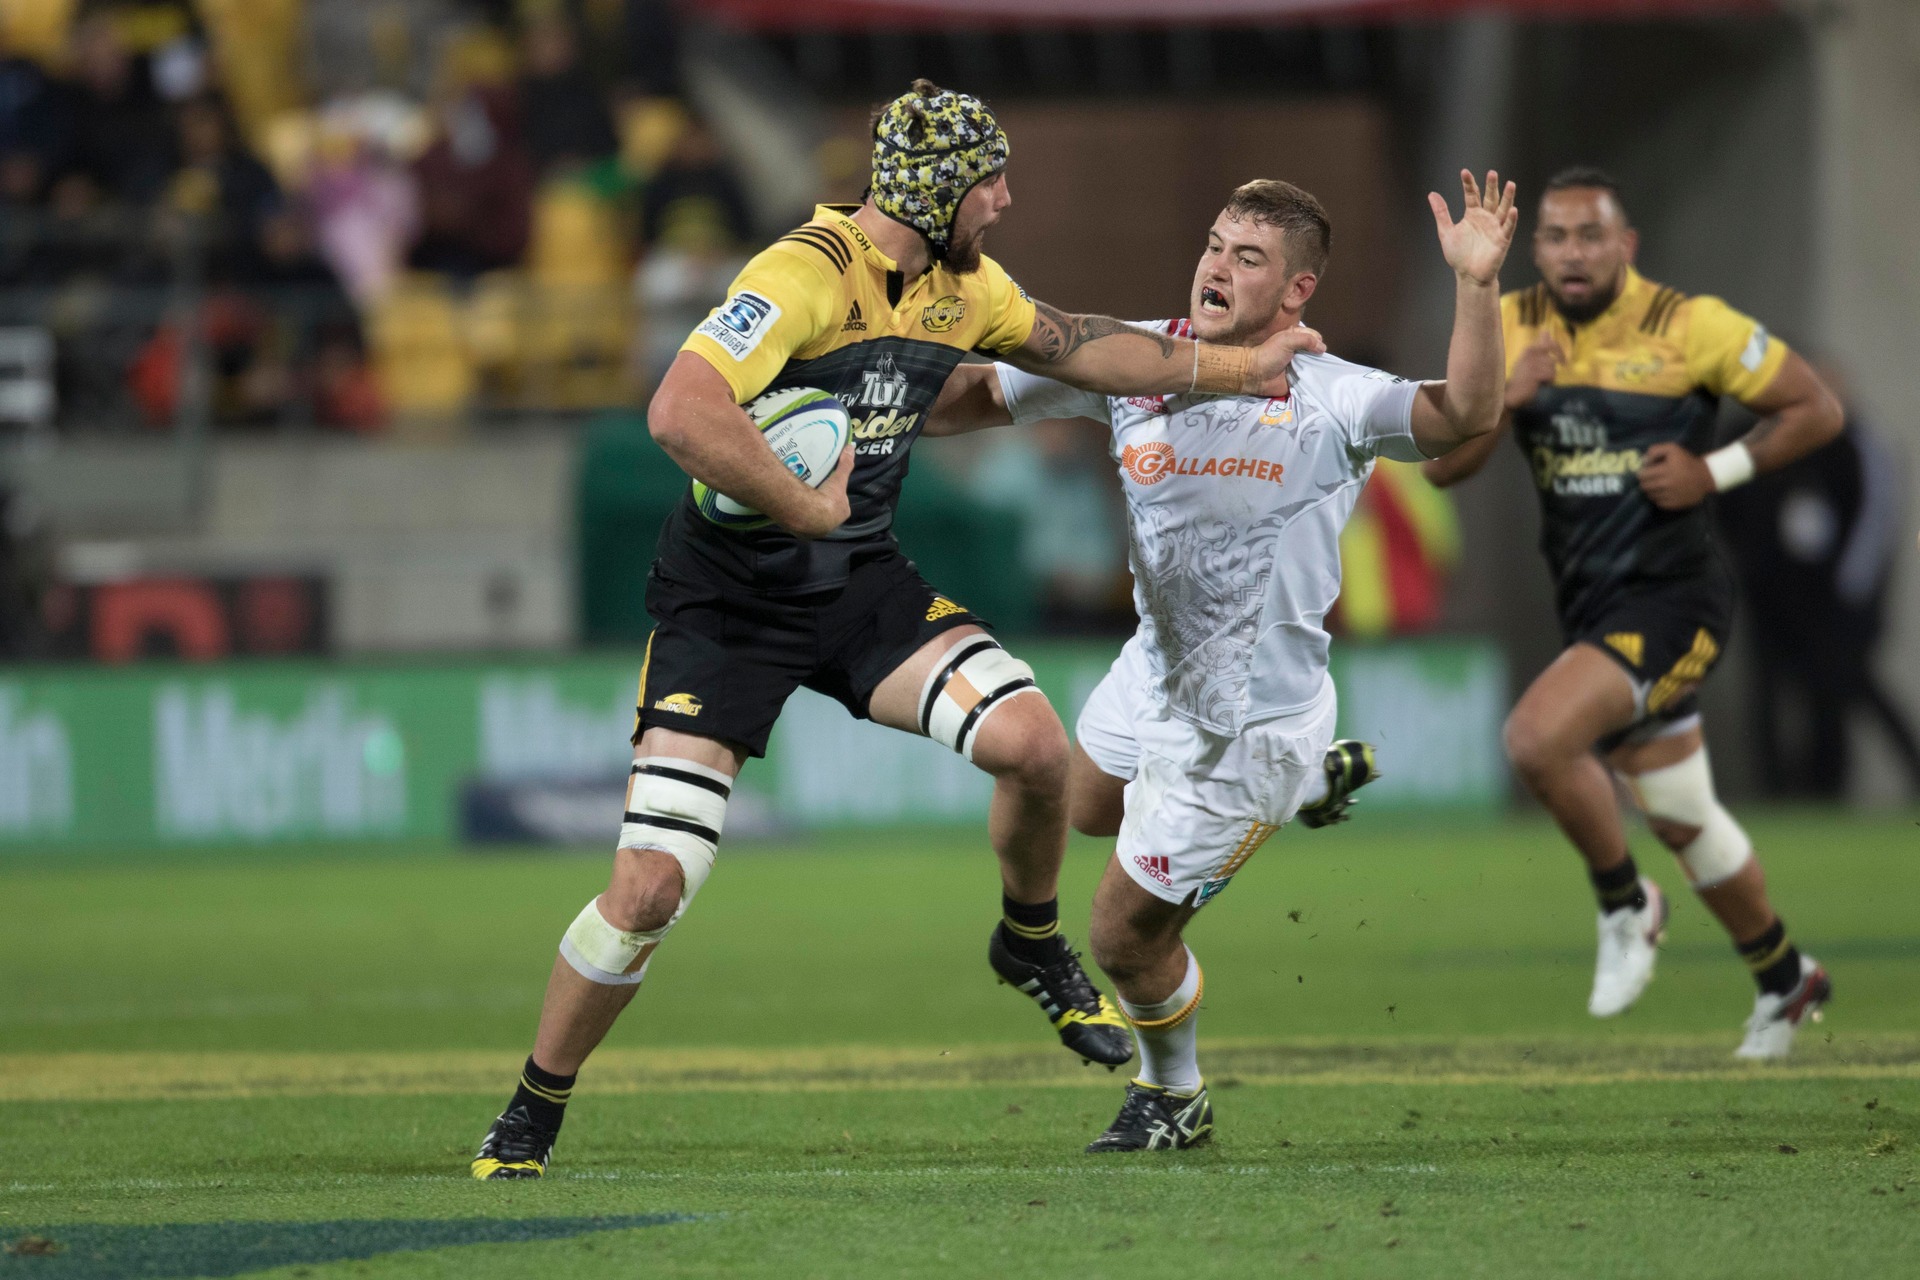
(806, 428)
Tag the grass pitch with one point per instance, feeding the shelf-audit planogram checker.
(289, 1058)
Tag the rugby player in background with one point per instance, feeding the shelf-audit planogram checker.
(1612, 386)
(1213, 728)
(875, 304)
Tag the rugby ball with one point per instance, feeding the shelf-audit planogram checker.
(806, 428)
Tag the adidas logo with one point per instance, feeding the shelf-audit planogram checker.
(943, 608)
(855, 322)
(1157, 865)
(1630, 645)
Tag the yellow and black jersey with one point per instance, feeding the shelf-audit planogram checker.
(1650, 369)
(823, 307)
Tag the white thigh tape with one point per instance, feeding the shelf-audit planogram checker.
(601, 953)
(973, 678)
(1684, 793)
(680, 808)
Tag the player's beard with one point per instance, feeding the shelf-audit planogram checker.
(963, 256)
(1591, 309)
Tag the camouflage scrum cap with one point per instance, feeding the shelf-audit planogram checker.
(930, 147)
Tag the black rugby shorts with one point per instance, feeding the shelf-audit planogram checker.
(1666, 636)
(722, 660)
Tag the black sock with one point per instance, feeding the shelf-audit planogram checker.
(1030, 927)
(1619, 887)
(1774, 961)
(543, 1094)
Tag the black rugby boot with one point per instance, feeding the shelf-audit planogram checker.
(1349, 766)
(1087, 1021)
(517, 1146)
(1156, 1119)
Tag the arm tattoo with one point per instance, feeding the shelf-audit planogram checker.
(1057, 335)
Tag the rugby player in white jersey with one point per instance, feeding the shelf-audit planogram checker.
(1215, 725)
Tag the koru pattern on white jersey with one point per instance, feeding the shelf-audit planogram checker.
(1234, 509)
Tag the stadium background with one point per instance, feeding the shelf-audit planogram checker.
(324, 327)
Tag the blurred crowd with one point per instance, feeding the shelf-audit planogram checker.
(305, 198)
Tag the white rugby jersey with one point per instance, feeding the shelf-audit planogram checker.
(1234, 510)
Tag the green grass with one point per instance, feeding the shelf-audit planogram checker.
(822, 1073)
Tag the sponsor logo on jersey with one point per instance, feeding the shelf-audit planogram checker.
(884, 391)
(1158, 867)
(1381, 375)
(684, 704)
(1574, 456)
(1149, 404)
(1147, 463)
(1251, 468)
(943, 608)
(884, 387)
(740, 323)
(943, 314)
(855, 323)
(879, 433)
(1578, 427)
(1586, 473)
(1278, 413)
(853, 229)
(1151, 463)
(1756, 353)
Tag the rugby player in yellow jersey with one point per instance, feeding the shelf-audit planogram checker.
(1612, 386)
(875, 304)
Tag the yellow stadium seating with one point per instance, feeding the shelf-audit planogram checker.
(420, 352)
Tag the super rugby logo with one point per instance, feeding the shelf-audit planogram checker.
(1147, 463)
(740, 324)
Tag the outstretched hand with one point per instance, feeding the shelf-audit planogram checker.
(1477, 244)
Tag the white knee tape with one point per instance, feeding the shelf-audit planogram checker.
(601, 953)
(1684, 793)
(967, 684)
(680, 808)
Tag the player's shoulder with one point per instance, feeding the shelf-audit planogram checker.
(1321, 370)
(990, 281)
(1661, 310)
(1705, 313)
(821, 245)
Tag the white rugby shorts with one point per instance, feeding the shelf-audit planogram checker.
(1105, 729)
(1202, 803)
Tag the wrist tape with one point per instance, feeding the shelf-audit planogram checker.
(1731, 466)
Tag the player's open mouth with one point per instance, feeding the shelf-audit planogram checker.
(1212, 301)
(1574, 280)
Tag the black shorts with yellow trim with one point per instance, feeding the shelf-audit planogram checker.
(1666, 636)
(722, 661)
